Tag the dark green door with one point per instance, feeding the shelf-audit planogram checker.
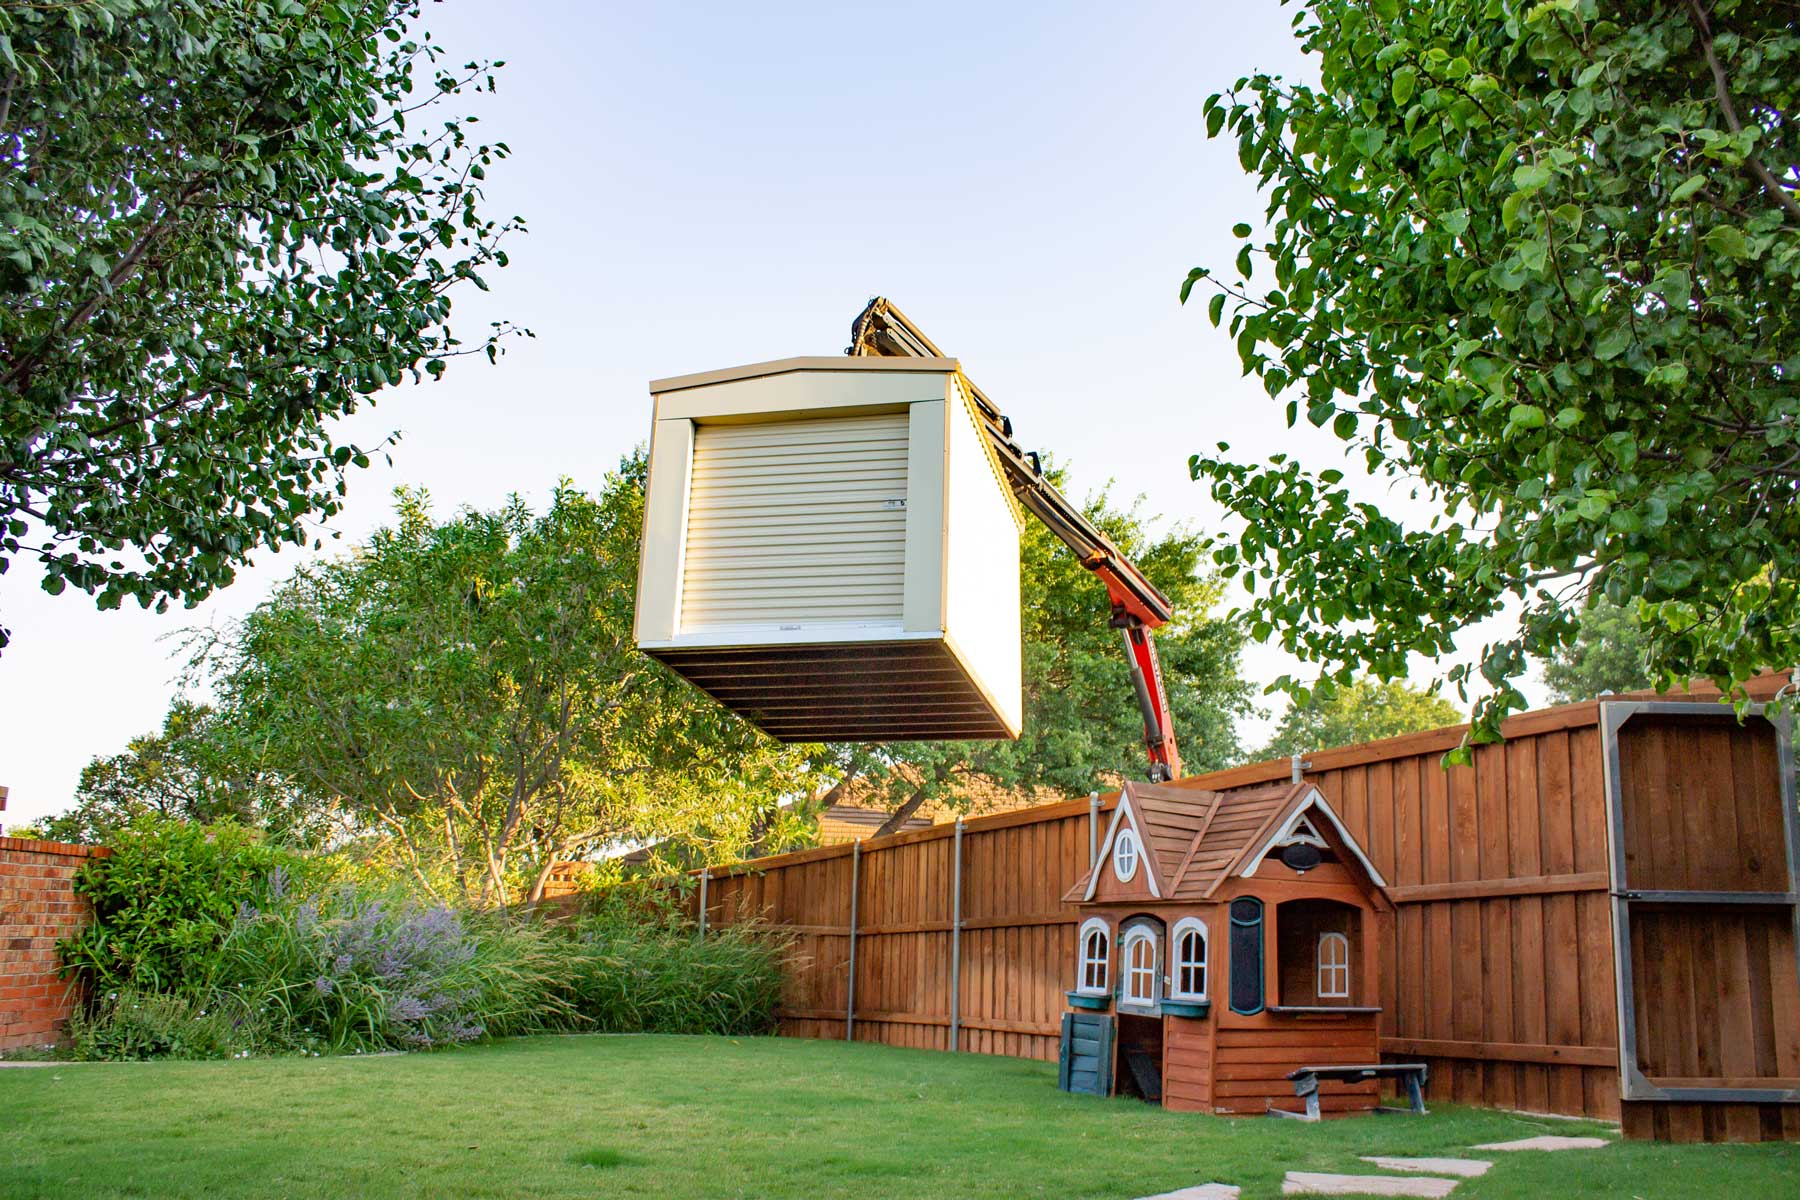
(1086, 1062)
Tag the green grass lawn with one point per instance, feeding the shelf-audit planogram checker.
(672, 1117)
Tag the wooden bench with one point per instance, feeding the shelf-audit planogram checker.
(1306, 1084)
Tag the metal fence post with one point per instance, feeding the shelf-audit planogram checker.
(956, 940)
(1093, 828)
(850, 1001)
(704, 872)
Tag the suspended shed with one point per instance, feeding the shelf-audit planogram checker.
(830, 551)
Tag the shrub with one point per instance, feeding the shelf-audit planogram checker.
(205, 946)
(130, 1026)
(355, 970)
(644, 969)
(163, 900)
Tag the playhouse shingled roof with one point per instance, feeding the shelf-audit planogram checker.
(1195, 838)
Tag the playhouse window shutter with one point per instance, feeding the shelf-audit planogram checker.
(796, 524)
(1246, 955)
(1085, 1063)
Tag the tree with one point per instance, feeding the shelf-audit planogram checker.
(225, 225)
(178, 772)
(1365, 711)
(1082, 725)
(1607, 655)
(469, 694)
(1538, 262)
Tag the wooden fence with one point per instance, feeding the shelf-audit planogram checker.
(1497, 967)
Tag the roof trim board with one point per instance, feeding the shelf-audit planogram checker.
(815, 362)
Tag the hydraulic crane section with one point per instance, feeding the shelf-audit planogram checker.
(1137, 606)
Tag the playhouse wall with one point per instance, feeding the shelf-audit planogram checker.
(1253, 1055)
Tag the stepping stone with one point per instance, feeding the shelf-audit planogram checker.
(1309, 1183)
(1206, 1191)
(1468, 1168)
(1549, 1142)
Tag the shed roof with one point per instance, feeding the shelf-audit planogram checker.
(1195, 839)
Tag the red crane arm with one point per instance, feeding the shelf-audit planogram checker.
(1138, 606)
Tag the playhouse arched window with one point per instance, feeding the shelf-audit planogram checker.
(1096, 958)
(1138, 956)
(1187, 949)
(1125, 855)
(1334, 966)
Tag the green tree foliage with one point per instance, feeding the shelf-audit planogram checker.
(179, 772)
(1607, 655)
(1365, 711)
(468, 695)
(1082, 725)
(1538, 261)
(224, 225)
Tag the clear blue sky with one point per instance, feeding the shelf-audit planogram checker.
(720, 184)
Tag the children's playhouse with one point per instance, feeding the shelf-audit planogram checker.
(1228, 940)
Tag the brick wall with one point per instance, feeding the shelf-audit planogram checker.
(38, 905)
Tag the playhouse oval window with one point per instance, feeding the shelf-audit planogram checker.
(1139, 958)
(1334, 966)
(1096, 958)
(1187, 975)
(1125, 855)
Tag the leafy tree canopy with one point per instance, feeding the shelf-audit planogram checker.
(179, 773)
(224, 224)
(1082, 725)
(1538, 261)
(466, 697)
(1607, 655)
(1365, 711)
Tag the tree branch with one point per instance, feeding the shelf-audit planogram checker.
(1722, 90)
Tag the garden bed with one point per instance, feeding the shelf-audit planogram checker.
(675, 1117)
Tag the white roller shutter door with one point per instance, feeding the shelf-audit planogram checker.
(796, 525)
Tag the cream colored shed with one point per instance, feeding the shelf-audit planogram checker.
(831, 552)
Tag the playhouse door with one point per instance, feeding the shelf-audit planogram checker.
(1086, 1062)
(1704, 843)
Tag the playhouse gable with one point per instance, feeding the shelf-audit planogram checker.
(1307, 821)
(1126, 866)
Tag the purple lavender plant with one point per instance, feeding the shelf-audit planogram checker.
(367, 972)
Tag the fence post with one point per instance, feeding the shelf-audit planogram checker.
(956, 941)
(1093, 828)
(850, 1001)
(704, 872)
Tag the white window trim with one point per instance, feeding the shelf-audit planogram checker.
(1125, 874)
(1139, 933)
(1089, 926)
(1334, 968)
(1182, 928)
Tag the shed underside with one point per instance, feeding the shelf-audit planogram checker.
(845, 692)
